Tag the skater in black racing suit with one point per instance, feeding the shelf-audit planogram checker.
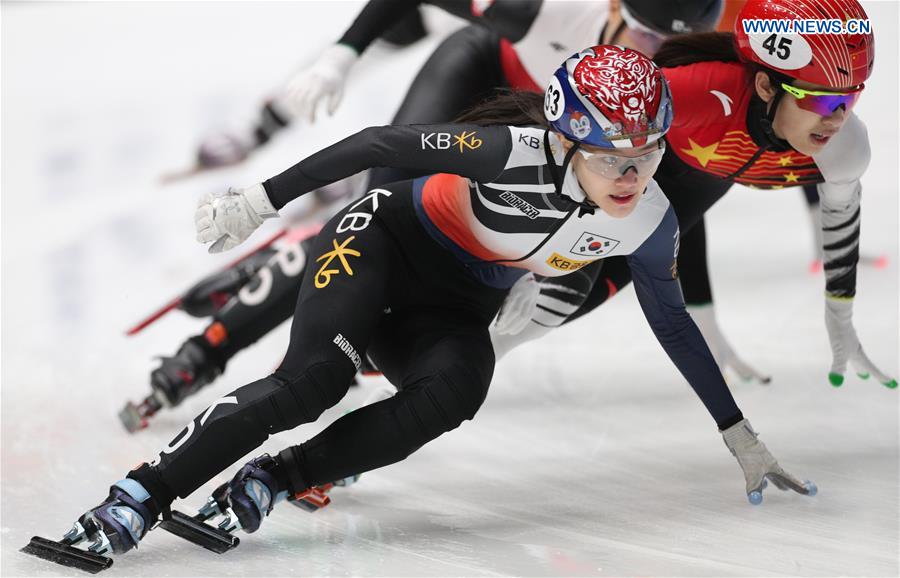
(414, 272)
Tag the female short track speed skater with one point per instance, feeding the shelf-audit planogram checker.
(511, 44)
(413, 273)
(810, 197)
(764, 118)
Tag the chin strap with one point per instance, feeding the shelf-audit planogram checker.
(775, 143)
(586, 206)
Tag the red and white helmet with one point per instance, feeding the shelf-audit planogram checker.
(610, 97)
(833, 60)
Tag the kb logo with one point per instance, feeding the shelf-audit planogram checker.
(442, 141)
(340, 252)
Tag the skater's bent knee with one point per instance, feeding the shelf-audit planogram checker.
(445, 400)
(302, 398)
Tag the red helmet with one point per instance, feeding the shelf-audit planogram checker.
(833, 60)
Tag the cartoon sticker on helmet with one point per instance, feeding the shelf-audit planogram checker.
(621, 83)
(580, 125)
(783, 51)
(554, 101)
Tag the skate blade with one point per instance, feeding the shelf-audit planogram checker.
(199, 533)
(66, 555)
(181, 175)
(131, 418)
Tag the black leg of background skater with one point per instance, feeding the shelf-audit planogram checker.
(462, 71)
(693, 271)
(612, 276)
(266, 302)
(263, 303)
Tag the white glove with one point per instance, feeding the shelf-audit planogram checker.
(325, 78)
(227, 219)
(758, 464)
(705, 318)
(518, 308)
(845, 345)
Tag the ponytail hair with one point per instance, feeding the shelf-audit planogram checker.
(507, 107)
(686, 49)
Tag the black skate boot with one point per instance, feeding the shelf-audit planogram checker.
(196, 364)
(262, 483)
(249, 497)
(210, 294)
(244, 501)
(119, 523)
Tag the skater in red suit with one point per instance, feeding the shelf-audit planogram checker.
(764, 110)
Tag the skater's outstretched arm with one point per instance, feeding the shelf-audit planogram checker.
(472, 151)
(843, 163)
(655, 275)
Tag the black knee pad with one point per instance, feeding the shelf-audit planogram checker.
(302, 399)
(442, 402)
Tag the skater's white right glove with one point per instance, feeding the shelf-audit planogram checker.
(845, 345)
(325, 78)
(518, 308)
(758, 464)
(227, 219)
(705, 318)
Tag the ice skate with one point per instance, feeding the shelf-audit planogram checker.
(114, 527)
(211, 293)
(253, 492)
(244, 502)
(195, 365)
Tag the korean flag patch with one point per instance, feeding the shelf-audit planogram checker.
(591, 245)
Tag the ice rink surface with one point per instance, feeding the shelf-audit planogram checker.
(591, 455)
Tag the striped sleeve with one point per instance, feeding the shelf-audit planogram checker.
(842, 163)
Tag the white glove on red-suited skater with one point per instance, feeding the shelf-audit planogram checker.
(705, 318)
(845, 345)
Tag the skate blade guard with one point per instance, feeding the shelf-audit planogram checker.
(195, 530)
(67, 555)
